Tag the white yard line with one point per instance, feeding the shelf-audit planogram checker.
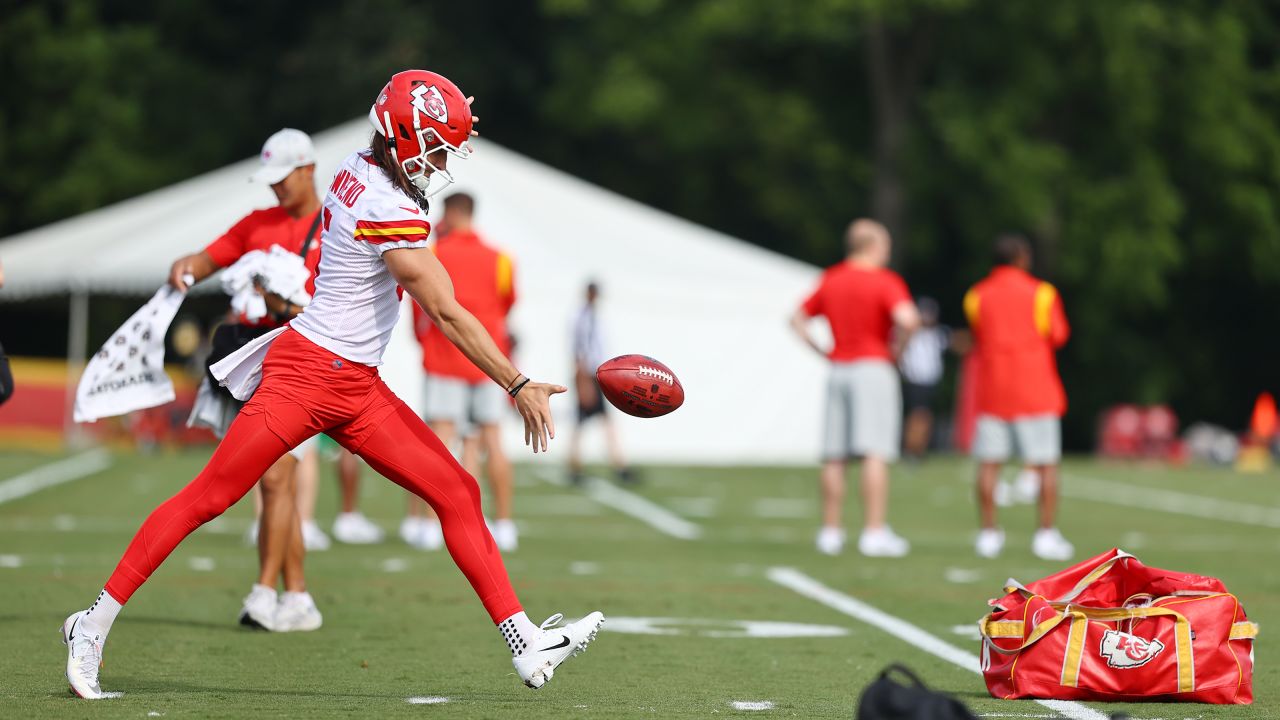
(802, 584)
(1081, 487)
(55, 473)
(629, 503)
(642, 509)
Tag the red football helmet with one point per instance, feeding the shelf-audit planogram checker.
(422, 114)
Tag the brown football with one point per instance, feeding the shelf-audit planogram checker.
(639, 385)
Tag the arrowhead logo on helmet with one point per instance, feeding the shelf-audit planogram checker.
(1124, 651)
(429, 101)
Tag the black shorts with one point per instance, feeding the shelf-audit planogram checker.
(918, 397)
(591, 405)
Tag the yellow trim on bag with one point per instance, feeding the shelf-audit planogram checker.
(1244, 631)
(1075, 650)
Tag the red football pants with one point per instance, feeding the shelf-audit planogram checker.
(306, 390)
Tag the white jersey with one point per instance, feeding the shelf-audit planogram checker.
(356, 302)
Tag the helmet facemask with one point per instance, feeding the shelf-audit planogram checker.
(416, 168)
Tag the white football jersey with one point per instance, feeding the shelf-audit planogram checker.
(356, 301)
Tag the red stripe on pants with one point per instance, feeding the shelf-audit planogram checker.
(305, 390)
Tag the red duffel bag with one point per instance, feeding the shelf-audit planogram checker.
(1113, 629)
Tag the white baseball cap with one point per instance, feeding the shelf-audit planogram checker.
(281, 153)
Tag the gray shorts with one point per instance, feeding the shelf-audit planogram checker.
(864, 411)
(1037, 439)
(462, 403)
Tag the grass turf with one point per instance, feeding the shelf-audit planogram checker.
(403, 624)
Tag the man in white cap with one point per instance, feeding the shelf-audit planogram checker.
(288, 167)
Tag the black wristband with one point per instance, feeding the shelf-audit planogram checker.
(516, 390)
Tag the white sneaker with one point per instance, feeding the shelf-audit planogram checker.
(1003, 494)
(553, 646)
(84, 658)
(882, 542)
(259, 609)
(1048, 544)
(313, 538)
(989, 543)
(354, 528)
(830, 540)
(430, 536)
(1026, 487)
(297, 613)
(409, 531)
(505, 535)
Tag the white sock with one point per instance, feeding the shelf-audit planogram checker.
(518, 630)
(102, 613)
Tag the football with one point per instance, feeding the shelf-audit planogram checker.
(639, 385)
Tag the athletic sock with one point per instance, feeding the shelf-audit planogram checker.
(518, 630)
(102, 613)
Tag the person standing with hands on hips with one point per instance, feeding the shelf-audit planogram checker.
(871, 315)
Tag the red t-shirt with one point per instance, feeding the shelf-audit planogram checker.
(1018, 322)
(858, 302)
(261, 229)
(484, 284)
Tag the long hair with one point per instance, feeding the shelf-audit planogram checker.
(382, 156)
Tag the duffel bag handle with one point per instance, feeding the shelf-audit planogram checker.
(1079, 617)
(1012, 585)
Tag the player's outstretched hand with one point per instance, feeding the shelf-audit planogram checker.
(180, 274)
(534, 403)
(474, 118)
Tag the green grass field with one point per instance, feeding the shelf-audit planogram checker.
(403, 624)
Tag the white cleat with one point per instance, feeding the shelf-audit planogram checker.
(409, 531)
(84, 659)
(505, 535)
(259, 609)
(882, 542)
(830, 540)
(1048, 544)
(553, 646)
(313, 538)
(430, 536)
(297, 613)
(354, 528)
(989, 543)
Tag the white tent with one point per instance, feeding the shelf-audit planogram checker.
(713, 308)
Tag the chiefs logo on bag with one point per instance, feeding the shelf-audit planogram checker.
(1113, 629)
(1123, 650)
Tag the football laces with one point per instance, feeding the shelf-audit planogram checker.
(650, 371)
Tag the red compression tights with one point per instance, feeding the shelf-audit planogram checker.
(400, 447)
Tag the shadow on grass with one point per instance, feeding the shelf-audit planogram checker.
(187, 623)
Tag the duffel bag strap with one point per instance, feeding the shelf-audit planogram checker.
(1181, 635)
(1244, 631)
(992, 629)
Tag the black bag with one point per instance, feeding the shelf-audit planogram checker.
(228, 338)
(886, 699)
(6, 378)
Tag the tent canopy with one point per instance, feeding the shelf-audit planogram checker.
(711, 307)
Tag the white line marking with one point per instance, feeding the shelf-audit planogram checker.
(785, 508)
(961, 576)
(629, 503)
(10, 561)
(429, 700)
(752, 705)
(1170, 501)
(802, 584)
(202, 564)
(642, 509)
(695, 507)
(582, 567)
(394, 565)
(55, 473)
(969, 631)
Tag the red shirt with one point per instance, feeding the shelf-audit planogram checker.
(858, 302)
(261, 229)
(484, 284)
(1018, 322)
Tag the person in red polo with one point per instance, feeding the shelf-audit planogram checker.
(865, 303)
(459, 396)
(1018, 323)
(288, 167)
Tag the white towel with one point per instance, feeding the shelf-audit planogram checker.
(278, 271)
(213, 410)
(128, 374)
(241, 371)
